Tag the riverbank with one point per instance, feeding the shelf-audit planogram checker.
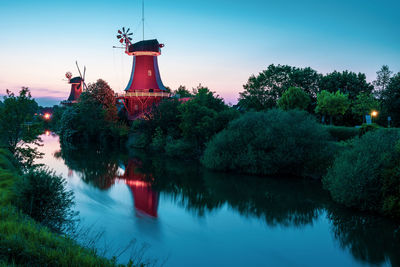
(25, 242)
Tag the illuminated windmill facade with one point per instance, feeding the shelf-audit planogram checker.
(145, 87)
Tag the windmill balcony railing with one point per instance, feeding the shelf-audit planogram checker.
(144, 94)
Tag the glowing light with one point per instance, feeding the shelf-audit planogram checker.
(374, 113)
(47, 133)
(137, 183)
(47, 116)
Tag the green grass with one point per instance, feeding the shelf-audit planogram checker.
(25, 242)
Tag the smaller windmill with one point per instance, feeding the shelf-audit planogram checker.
(77, 84)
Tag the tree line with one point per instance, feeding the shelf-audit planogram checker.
(343, 98)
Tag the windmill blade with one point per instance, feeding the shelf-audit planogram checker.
(119, 31)
(128, 30)
(84, 72)
(123, 29)
(130, 33)
(121, 41)
(119, 36)
(78, 69)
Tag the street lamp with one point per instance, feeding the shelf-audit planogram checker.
(374, 113)
(47, 116)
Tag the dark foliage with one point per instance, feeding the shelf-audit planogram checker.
(294, 98)
(20, 126)
(263, 91)
(178, 128)
(356, 179)
(391, 99)
(346, 82)
(341, 133)
(272, 142)
(351, 84)
(93, 119)
(43, 196)
(368, 128)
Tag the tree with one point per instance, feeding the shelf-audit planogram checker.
(391, 99)
(199, 117)
(364, 104)
(102, 93)
(332, 104)
(263, 91)
(93, 118)
(19, 127)
(294, 98)
(382, 79)
(347, 82)
(182, 92)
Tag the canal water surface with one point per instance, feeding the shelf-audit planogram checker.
(187, 216)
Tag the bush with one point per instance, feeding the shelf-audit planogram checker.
(158, 140)
(43, 196)
(7, 160)
(367, 128)
(180, 149)
(342, 133)
(391, 185)
(274, 142)
(355, 179)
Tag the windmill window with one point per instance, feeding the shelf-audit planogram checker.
(149, 72)
(136, 107)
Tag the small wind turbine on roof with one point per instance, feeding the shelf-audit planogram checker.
(124, 36)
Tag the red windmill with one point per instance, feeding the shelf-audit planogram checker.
(77, 84)
(145, 87)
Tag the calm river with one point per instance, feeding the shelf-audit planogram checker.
(188, 216)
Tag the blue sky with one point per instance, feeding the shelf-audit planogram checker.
(215, 43)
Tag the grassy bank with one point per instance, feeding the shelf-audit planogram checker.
(25, 242)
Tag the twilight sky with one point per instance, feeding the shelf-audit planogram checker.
(218, 43)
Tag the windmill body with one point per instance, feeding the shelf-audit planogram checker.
(76, 89)
(145, 87)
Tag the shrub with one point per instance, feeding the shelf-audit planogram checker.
(180, 149)
(391, 185)
(342, 133)
(7, 161)
(158, 140)
(355, 179)
(274, 142)
(43, 196)
(368, 127)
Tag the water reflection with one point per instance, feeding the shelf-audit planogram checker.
(370, 239)
(279, 202)
(140, 184)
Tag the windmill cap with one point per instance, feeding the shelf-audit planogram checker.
(149, 46)
(76, 80)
